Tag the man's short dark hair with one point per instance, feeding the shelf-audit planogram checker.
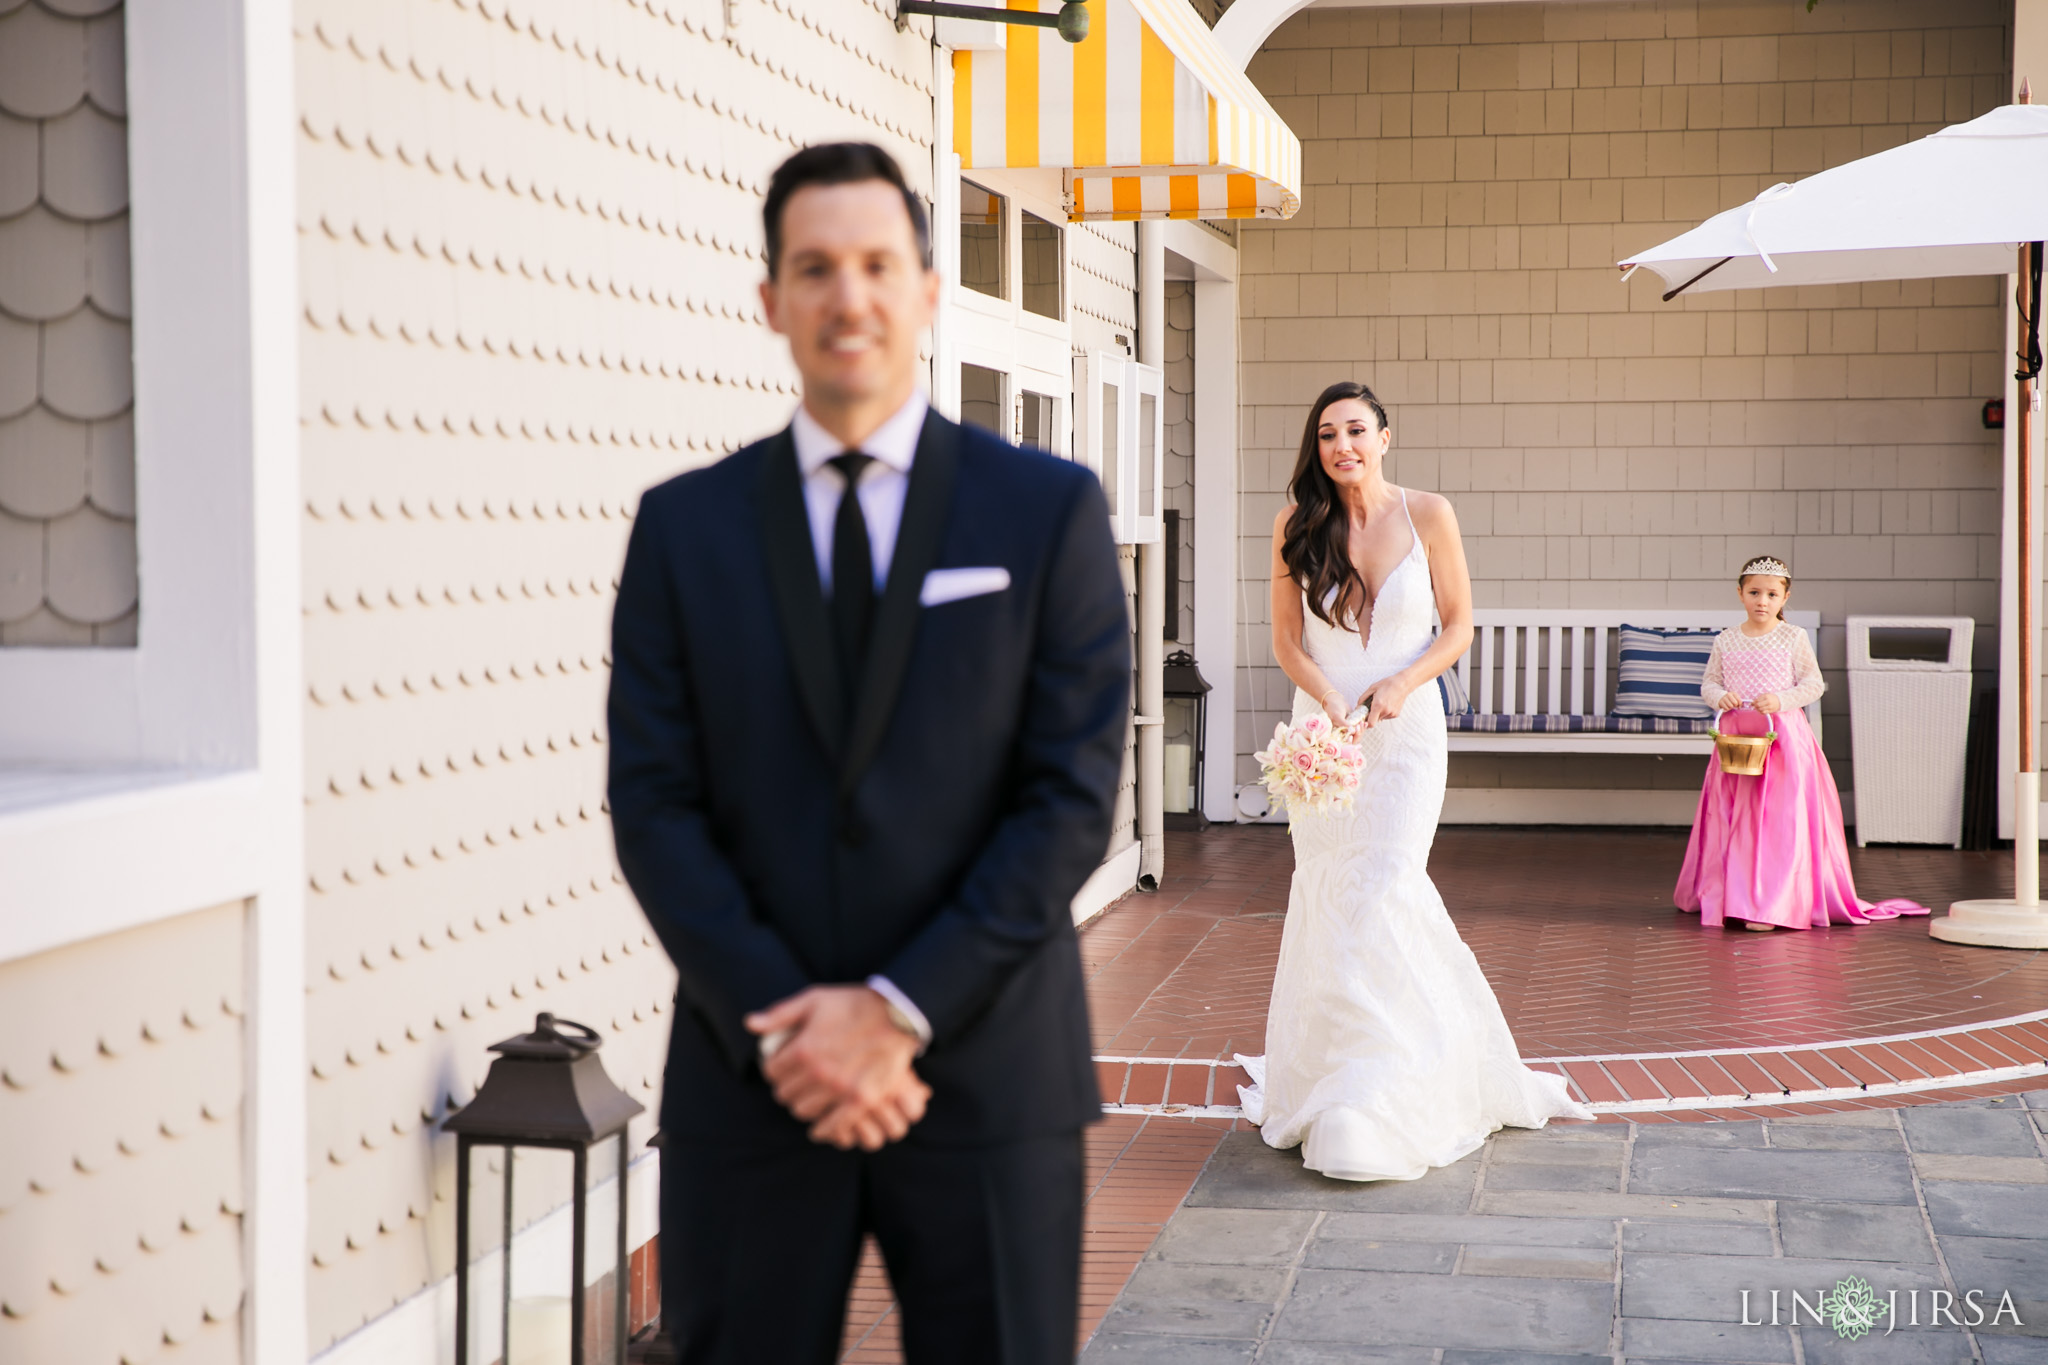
(839, 163)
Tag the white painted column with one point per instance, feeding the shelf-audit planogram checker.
(1151, 588)
(275, 1112)
(2030, 63)
(213, 153)
(2008, 582)
(945, 390)
(1217, 646)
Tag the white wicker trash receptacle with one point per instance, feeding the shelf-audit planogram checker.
(1909, 722)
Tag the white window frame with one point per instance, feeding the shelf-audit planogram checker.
(988, 358)
(1147, 519)
(1115, 452)
(1060, 425)
(143, 783)
(161, 754)
(1031, 351)
(1099, 440)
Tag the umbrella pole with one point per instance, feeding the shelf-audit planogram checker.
(2026, 830)
(2019, 922)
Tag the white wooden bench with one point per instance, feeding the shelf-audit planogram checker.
(1535, 669)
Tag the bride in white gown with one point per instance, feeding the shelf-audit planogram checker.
(1386, 1052)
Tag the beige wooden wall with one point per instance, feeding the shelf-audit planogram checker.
(1472, 175)
(530, 242)
(1102, 283)
(121, 1195)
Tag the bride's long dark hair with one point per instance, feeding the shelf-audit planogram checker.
(1316, 545)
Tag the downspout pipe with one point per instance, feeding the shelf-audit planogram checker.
(1151, 591)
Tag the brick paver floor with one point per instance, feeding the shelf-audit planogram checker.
(1576, 933)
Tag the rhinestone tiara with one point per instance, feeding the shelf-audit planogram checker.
(1764, 564)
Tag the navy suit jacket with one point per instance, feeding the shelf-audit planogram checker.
(935, 831)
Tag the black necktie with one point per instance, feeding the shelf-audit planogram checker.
(853, 572)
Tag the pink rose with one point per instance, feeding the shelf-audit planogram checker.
(1305, 762)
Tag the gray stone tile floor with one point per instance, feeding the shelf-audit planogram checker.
(1617, 1243)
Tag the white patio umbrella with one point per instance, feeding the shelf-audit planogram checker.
(1968, 200)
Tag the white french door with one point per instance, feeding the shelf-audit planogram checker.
(1005, 348)
(1120, 433)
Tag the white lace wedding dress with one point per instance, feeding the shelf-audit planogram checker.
(1386, 1052)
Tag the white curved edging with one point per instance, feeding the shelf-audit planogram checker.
(1955, 1080)
(1776, 1099)
(2036, 1017)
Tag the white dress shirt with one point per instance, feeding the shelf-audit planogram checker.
(883, 485)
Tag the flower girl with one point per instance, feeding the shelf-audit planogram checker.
(1769, 850)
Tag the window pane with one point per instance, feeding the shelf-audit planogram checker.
(981, 240)
(1112, 446)
(981, 397)
(1041, 266)
(1148, 451)
(1035, 423)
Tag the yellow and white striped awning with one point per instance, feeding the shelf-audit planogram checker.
(1147, 117)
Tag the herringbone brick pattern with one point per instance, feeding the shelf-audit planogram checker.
(1576, 933)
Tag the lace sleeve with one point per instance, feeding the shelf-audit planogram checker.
(1710, 681)
(1808, 685)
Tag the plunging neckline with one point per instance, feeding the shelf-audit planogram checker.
(1372, 600)
(1372, 610)
(1372, 604)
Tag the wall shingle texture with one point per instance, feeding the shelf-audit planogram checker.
(1473, 174)
(1104, 281)
(121, 1086)
(67, 442)
(530, 240)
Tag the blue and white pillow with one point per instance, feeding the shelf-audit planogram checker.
(1661, 671)
(1451, 688)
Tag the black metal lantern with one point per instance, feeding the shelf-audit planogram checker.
(547, 1101)
(1187, 713)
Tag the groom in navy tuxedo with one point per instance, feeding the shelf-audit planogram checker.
(870, 683)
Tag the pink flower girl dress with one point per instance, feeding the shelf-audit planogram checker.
(1771, 849)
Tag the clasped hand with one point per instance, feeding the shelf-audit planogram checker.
(1383, 702)
(1767, 704)
(844, 1066)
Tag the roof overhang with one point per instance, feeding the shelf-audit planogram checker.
(1147, 117)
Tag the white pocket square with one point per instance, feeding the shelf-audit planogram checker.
(950, 585)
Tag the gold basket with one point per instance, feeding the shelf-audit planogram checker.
(1742, 755)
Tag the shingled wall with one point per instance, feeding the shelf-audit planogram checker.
(530, 240)
(1473, 173)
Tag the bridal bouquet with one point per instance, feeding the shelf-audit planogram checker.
(1312, 766)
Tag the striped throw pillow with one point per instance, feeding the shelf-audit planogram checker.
(1660, 673)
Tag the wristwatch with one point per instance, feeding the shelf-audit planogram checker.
(902, 1020)
(903, 1011)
